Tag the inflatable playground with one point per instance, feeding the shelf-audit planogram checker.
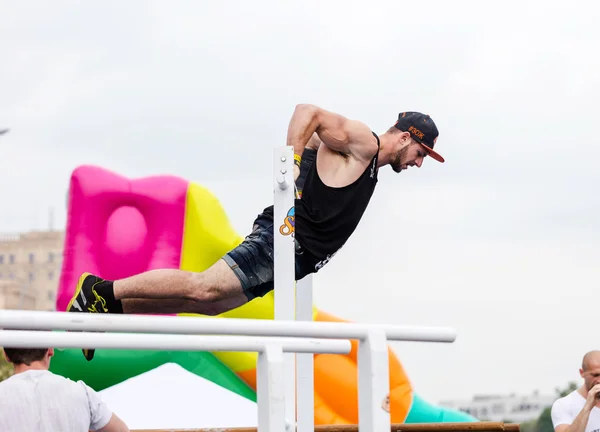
(118, 227)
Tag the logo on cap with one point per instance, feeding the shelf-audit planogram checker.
(416, 132)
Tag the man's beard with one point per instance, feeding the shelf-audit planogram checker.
(396, 163)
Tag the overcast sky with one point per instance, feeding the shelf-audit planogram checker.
(500, 242)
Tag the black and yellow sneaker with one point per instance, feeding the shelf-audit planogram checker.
(93, 295)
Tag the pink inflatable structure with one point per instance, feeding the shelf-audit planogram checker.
(120, 226)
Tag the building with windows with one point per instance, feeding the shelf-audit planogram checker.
(30, 266)
(497, 408)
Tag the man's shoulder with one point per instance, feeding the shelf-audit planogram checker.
(366, 143)
(40, 376)
(574, 396)
(567, 399)
(569, 403)
(28, 375)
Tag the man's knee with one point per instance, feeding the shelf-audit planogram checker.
(215, 284)
(203, 289)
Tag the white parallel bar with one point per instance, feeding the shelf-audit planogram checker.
(45, 320)
(45, 339)
(284, 258)
(270, 390)
(305, 362)
(373, 383)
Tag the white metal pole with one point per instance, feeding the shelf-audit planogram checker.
(284, 259)
(305, 362)
(373, 383)
(46, 339)
(270, 390)
(45, 320)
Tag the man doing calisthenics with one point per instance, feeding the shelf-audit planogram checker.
(342, 158)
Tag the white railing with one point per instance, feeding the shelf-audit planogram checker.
(168, 332)
(277, 342)
(44, 320)
(270, 375)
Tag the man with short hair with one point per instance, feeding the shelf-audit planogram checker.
(337, 188)
(34, 399)
(579, 411)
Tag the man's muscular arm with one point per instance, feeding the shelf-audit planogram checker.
(579, 423)
(338, 133)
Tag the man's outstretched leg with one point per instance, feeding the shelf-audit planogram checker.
(211, 292)
(242, 274)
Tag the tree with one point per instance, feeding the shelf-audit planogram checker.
(544, 421)
(6, 368)
(528, 426)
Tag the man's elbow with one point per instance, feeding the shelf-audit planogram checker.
(305, 107)
(115, 424)
(306, 110)
(562, 428)
(314, 142)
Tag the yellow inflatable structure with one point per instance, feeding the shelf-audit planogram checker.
(137, 225)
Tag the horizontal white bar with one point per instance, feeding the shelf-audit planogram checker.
(44, 320)
(45, 339)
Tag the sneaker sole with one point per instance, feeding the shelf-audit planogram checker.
(86, 351)
(78, 290)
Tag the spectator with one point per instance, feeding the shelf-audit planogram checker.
(579, 411)
(34, 399)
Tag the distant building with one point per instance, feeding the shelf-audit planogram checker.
(30, 266)
(497, 408)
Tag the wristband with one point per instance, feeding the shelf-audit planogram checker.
(297, 160)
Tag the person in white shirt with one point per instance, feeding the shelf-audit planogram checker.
(579, 411)
(34, 399)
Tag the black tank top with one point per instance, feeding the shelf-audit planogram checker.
(327, 216)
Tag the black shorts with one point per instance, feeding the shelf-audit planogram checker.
(252, 260)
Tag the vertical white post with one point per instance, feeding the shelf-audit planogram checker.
(305, 362)
(270, 391)
(284, 260)
(373, 383)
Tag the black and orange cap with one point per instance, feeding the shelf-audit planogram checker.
(422, 129)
